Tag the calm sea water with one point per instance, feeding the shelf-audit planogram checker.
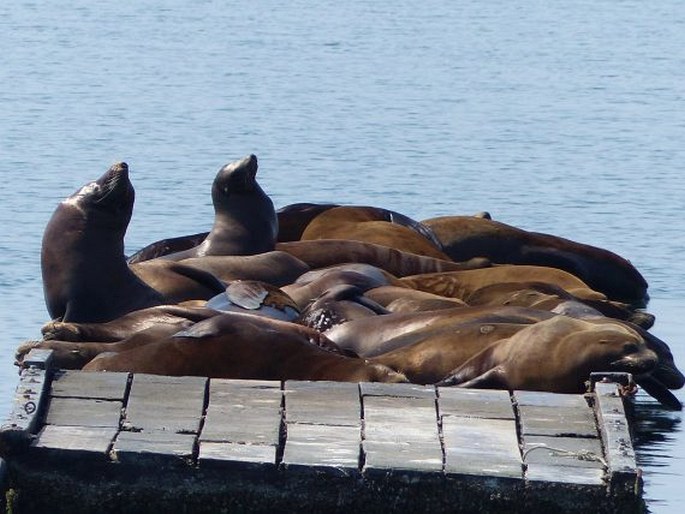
(562, 117)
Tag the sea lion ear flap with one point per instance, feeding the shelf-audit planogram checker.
(470, 377)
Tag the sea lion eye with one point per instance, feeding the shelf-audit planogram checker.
(630, 347)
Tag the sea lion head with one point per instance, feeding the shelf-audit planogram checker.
(235, 178)
(106, 202)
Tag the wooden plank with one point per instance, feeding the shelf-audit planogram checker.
(75, 440)
(242, 424)
(153, 447)
(478, 446)
(545, 399)
(579, 452)
(84, 412)
(557, 421)
(80, 384)
(320, 448)
(401, 435)
(620, 455)
(477, 403)
(311, 402)
(397, 390)
(174, 404)
(565, 475)
(27, 407)
(238, 457)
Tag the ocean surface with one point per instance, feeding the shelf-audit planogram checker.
(560, 117)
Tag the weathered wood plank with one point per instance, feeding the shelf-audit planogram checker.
(174, 404)
(38, 358)
(545, 399)
(558, 421)
(317, 448)
(153, 447)
(27, 407)
(478, 446)
(401, 434)
(620, 455)
(75, 440)
(398, 390)
(310, 402)
(579, 452)
(242, 424)
(239, 457)
(80, 384)
(477, 403)
(84, 412)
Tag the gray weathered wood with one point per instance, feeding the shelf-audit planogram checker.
(84, 412)
(152, 447)
(479, 446)
(79, 440)
(332, 449)
(579, 452)
(174, 404)
(560, 420)
(310, 402)
(620, 455)
(477, 403)
(80, 384)
(260, 457)
(400, 390)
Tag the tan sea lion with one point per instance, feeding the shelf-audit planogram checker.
(556, 355)
(462, 284)
(321, 253)
(373, 225)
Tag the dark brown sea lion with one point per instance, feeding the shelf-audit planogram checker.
(462, 284)
(465, 237)
(276, 268)
(373, 225)
(556, 355)
(126, 325)
(245, 220)
(322, 253)
(337, 305)
(309, 286)
(247, 347)
(85, 274)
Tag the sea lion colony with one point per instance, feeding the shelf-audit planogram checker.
(347, 293)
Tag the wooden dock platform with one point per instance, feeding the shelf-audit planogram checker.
(118, 442)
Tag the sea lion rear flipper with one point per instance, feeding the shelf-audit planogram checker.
(494, 378)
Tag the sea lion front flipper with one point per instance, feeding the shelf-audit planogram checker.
(659, 392)
(494, 378)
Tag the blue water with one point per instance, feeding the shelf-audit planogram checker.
(562, 117)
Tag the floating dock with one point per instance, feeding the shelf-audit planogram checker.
(120, 442)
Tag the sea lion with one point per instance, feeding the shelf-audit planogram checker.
(245, 347)
(465, 237)
(556, 355)
(276, 268)
(339, 304)
(374, 225)
(405, 299)
(245, 221)
(312, 284)
(321, 253)
(369, 337)
(85, 275)
(461, 284)
(294, 218)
